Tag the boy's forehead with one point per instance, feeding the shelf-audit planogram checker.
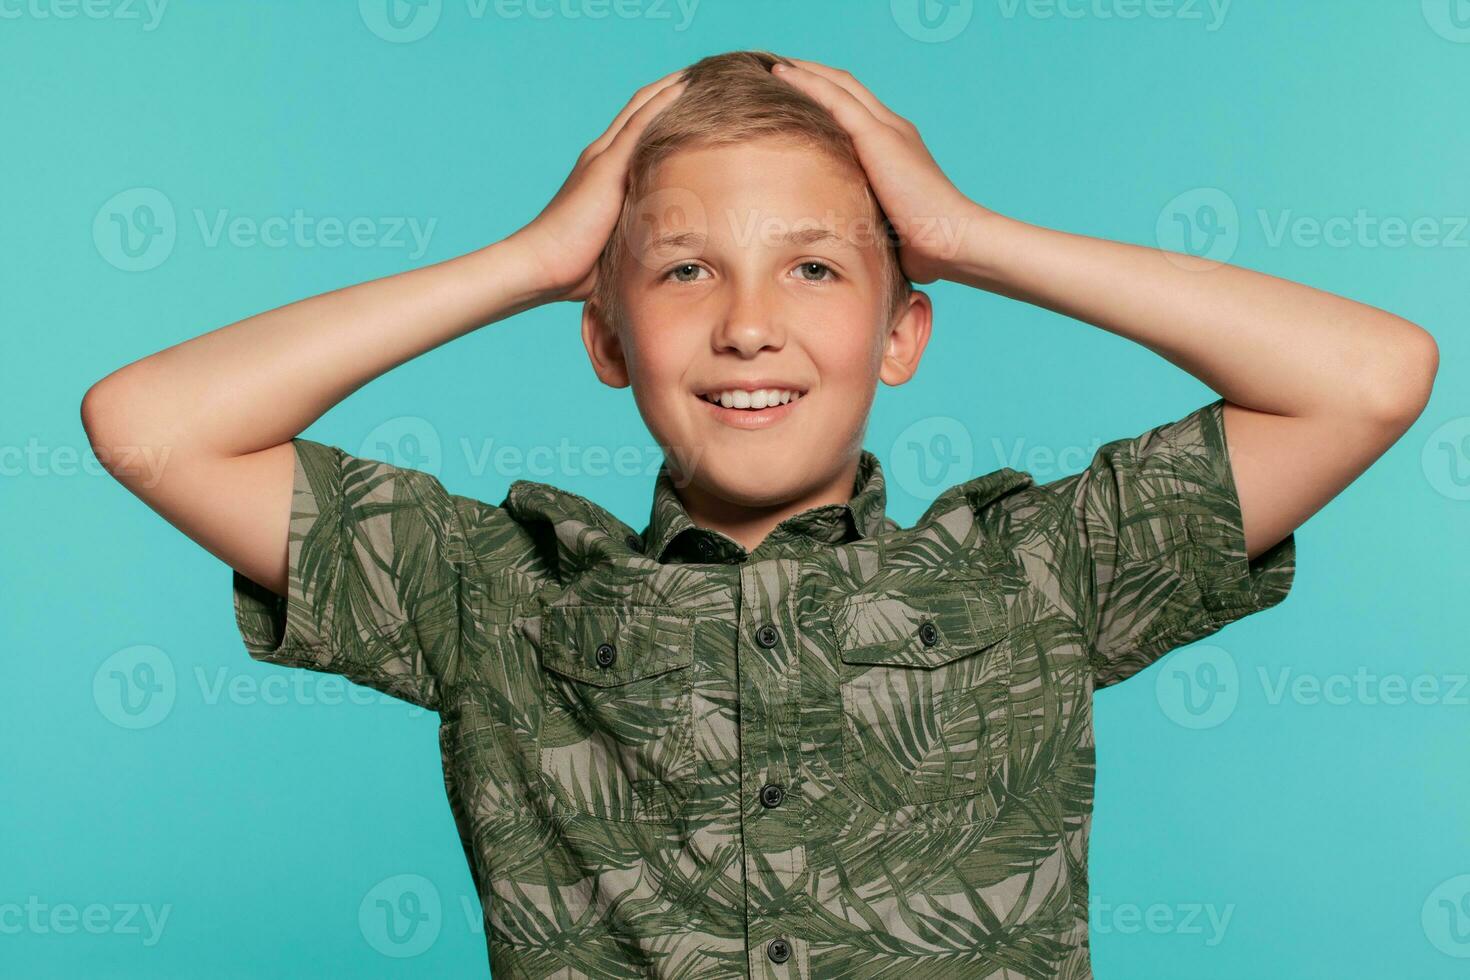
(760, 192)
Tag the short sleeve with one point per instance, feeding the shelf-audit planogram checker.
(374, 556)
(1154, 536)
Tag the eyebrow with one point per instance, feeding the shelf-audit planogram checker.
(694, 240)
(681, 240)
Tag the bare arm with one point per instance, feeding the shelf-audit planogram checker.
(1317, 387)
(220, 410)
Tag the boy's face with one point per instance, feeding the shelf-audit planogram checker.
(756, 266)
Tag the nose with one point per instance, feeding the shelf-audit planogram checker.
(750, 323)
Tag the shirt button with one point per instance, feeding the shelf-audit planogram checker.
(772, 795)
(928, 633)
(606, 654)
(767, 636)
(634, 542)
(779, 950)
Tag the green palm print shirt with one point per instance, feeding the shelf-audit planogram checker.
(859, 750)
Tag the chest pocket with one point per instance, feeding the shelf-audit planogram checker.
(617, 734)
(926, 684)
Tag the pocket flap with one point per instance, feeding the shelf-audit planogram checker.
(918, 630)
(635, 642)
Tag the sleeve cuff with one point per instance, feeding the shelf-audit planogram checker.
(1230, 584)
(294, 630)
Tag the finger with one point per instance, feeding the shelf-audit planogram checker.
(639, 100)
(849, 111)
(854, 87)
(620, 148)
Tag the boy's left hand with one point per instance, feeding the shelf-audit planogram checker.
(931, 217)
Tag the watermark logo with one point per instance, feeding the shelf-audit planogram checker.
(412, 442)
(932, 455)
(665, 223)
(305, 231)
(135, 687)
(135, 229)
(932, 21)
(40, 918)
(1364, 687)
(1446, 917)
(1446, 459)
(652, 10)
(1202, 228)
(1364, 229)
(567, 459)
(1210, 13)
(289, 687)
(38, 459)
(1204, 919)
(1044, 462)
(942, 234)
(408, 442)
(147, 12)
(400, 21)
(1198, 687)
(1199, 229)
(406, 21)
(401, 916)
(1450, 19)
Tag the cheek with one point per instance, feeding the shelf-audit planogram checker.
(853, 360)
(657, 360)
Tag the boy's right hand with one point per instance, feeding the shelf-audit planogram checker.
(564, 241)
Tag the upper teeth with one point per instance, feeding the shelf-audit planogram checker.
(760, 398)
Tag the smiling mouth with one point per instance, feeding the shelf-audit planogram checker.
(752, 400)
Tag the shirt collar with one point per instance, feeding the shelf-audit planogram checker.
(672, 533)
(579, 532)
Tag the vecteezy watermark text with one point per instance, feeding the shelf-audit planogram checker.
(406, 21)
(41, 918)
(136, 230)
(147, 12)
(1159, 918)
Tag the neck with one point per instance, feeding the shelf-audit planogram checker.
(750, 525)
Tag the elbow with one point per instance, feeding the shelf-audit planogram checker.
(103, 419)
(96, 412)
(1401, 392)
(111, 414)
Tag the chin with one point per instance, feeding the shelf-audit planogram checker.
(750, 477)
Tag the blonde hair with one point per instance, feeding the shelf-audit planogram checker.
(732, 98)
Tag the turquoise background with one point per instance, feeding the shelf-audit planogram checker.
(263, 818)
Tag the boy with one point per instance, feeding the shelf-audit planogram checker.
(775, 734)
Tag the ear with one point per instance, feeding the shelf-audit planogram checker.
(907, 337)
(604, 347)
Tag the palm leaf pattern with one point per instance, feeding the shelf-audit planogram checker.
(614, 706)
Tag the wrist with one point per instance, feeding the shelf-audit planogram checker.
(513, 271)
(984, 239)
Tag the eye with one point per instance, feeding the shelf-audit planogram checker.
(684, 272)
(813, 271)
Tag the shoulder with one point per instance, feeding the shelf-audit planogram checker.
(987, 519)
(408, 501)
(1003, 500)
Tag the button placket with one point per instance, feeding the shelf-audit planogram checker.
(770, 738)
